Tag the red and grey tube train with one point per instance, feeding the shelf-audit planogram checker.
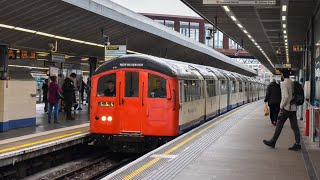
(139, 102)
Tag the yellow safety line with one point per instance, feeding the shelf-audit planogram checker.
(155, 160)
(39, 142)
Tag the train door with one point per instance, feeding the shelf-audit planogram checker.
(130, 99)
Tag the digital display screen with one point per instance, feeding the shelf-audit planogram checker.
(106, 104)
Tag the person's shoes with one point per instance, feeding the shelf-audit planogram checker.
(71, 118)
(269, 143)
(295, 147)
(49, 122)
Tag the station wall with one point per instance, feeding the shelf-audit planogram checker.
(17, 104)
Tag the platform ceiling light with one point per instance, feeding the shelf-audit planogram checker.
(238, 23)
(284, 26)
(25, 30)
(285, 36)
(284, 18)
(284, 8)
(77, 41)
(6, 26)
(63, 38)
(226, 8)
(284, 32)
(57, 37)
(45, 34)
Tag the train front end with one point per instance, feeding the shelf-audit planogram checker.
(134, 107)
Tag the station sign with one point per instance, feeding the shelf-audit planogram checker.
(114, 51)
(301, 48)
(282, 66)
(71, 66)
(240, 2)
(56, 57)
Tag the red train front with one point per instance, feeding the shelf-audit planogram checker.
(134, 104)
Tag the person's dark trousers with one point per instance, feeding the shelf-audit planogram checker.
(274, 112)
(283, 116)
(68, 106)
(45, 100)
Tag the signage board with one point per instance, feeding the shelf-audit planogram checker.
(282, 66)
(71, 66)
(56, 57)
(240, 2)
(114, 51)
(301, 48)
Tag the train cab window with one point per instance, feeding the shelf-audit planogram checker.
(156, 86)
(107, 85)
(223, 87)
(132, 84)
(240, 87)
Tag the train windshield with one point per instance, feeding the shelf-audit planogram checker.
(157, 86)
(107, 85)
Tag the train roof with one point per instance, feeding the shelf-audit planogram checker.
(168, 67)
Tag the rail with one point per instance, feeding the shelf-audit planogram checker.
(314, 126)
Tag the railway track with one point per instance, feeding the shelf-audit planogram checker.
(97, 168)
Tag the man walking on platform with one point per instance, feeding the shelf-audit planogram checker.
(287, 110)
(68, 94)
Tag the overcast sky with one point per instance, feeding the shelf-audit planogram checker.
(171, 7)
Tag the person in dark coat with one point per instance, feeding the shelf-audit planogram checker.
(45, 90)
(68, 94)
(273, 97)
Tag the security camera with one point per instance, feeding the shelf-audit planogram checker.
(51, 46)
(107, 43)
(211, 34)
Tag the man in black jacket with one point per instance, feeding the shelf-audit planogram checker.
(68, 94)
(273, 97)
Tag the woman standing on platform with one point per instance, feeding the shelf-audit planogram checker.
(55, 92)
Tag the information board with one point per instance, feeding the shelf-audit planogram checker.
(115, 51)
(56, 57)
(282, 66)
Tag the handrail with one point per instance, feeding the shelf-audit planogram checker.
(310, 105)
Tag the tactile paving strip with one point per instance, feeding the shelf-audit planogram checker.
(168, 168)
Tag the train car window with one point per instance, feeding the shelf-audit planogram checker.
(223, 87)
(132, 84)
(107, 85)
(156, 86)
(211, 88)
(246, 87)
(233, 87)
(240, 87)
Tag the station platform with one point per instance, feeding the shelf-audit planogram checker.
(228, 147)
(42, 124)
(22, 141)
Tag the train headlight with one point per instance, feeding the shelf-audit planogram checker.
(109, 118)
(103, 118)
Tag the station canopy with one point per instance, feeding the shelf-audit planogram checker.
(269, 29)
(77, 25)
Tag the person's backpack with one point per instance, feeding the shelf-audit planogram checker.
(298, 94)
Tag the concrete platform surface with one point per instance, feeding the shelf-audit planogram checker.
(228, 148)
